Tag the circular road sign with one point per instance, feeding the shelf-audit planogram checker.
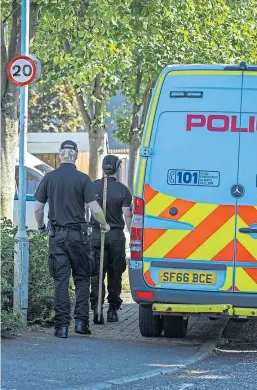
(21, 70)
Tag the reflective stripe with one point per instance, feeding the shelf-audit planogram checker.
(249, 73)
(152, 110)
(205, 73)
(141, 177)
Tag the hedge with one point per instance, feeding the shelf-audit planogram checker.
(41, 293)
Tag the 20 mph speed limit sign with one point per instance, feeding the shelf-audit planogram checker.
(22, 70)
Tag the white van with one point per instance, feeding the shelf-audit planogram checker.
(194, 228)
(36, 169)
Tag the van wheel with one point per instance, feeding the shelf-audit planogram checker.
(150, 325)
(175, 326)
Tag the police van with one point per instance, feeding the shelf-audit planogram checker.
(194, 229)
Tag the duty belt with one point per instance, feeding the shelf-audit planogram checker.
(71, 227)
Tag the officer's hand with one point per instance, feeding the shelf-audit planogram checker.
(43, 231)
(105, 228)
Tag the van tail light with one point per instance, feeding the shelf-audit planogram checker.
(137, 225)
(145, 294)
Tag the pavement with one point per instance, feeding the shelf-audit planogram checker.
(116, 355)
(231, 366)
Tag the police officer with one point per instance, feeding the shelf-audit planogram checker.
(68, 192)
(118, 205)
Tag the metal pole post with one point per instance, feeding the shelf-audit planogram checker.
(21, 258)
(100, 287)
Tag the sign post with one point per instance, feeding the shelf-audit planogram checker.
(22, 71)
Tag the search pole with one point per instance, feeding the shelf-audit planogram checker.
(21, 257)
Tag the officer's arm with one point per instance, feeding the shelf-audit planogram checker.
(39, 213)
(41, 199)
(97, 213)
(126, 208)
(128, 216)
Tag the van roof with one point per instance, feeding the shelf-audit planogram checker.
(30, 159)
(205, 67)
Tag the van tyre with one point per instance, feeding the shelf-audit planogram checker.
(175, 326)
(150, 325)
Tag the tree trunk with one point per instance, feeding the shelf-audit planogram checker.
(92, 121)
(96, 151)
(9, 117)
(9, 136)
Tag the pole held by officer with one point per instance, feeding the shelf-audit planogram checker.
(68, 192)
(118, 202)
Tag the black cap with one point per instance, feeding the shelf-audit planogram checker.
(111, 164)
(69, 145)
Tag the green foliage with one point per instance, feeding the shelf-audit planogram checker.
(122, 123)
(167, 32)
(54, 109)
(78, 40)
(9, 322)
(41, 293)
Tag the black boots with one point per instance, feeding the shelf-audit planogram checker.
(112, 315)
(96, 321)
(82, 327)
(61, 332)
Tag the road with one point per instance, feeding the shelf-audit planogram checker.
(222, 371)
(232, 366)
(37, 360)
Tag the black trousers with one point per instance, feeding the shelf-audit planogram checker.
(70, 251)
(114, 266)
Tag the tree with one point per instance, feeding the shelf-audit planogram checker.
(10, 46)
(81, 45)
(150, 52)
(54, 109)
(174, 32)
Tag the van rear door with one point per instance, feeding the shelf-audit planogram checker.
(190, 213)
(246, 231)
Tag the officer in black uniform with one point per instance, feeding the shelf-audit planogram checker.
(67, 192)
(118, 205)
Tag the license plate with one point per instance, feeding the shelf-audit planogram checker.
(188, 277)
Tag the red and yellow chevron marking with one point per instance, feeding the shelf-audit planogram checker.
(246, 250)
(214, 228)
(212, 238)
(246, 280)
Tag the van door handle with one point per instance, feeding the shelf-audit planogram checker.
(248, 230)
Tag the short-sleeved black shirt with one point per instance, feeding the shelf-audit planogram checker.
(66, 190)
(118, 196)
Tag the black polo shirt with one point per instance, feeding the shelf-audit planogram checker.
(118, 196)
(66, 190)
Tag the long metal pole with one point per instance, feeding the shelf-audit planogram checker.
(100, 287)
(21, 258)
